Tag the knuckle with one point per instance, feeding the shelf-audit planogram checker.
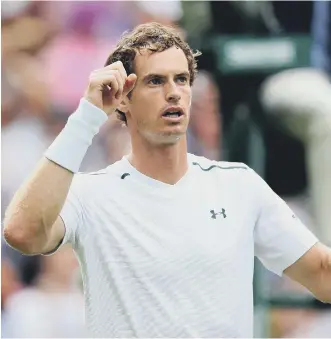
(120, 68)
(114, 83)
(111, 78)
(94, 72)
(92, 81)
(114, 65)
(123, 70)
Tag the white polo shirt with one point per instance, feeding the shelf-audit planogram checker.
(163, 260)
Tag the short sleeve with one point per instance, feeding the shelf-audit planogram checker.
(72, 212)
(280, 238)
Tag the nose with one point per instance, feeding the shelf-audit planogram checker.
(173, 93)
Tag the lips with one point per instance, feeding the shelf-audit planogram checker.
(173, 112)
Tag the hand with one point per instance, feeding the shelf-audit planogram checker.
(108, 86)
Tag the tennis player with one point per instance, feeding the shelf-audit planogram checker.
(165, 239)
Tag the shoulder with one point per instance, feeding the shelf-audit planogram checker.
(235, 176)
(219, 167)
(87, 181)
(231, 173)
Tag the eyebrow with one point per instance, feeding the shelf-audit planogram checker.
(155, 75)
(187, 74)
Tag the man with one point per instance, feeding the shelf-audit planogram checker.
(166, 240)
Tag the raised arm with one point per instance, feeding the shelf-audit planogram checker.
(32, 224)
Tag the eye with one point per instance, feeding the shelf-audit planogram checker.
(183, 79)
(155, 81)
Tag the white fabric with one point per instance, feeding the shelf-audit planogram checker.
(69, 148)
(156, 264)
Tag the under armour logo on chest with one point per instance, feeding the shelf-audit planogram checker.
(215, 214)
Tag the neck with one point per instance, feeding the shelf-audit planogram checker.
(165, 163)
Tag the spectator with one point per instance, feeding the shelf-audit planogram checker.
(24, 128)
(321, 32)
(75, 52)
(54, 306)
(204, 135)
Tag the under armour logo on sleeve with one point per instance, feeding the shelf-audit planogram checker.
(214, 215)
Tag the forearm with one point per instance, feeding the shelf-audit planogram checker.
(36, 205)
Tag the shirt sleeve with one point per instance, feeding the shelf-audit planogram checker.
(280, 238)
(72, 214)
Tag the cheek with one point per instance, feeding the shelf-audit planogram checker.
(143, 112)
(144, 100)
(137, 106)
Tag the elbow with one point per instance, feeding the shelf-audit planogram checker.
(20, 240)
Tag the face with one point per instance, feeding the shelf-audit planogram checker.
(163, 84)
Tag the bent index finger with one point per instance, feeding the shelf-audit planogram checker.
(115, 65)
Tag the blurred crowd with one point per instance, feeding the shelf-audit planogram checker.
(48, 51)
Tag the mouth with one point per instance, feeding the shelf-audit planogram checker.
(173, 114)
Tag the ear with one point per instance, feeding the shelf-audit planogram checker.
(124, 105)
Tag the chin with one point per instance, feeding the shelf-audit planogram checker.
(170, 139)
(166, 137)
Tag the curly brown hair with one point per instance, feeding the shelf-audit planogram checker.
(156, 38)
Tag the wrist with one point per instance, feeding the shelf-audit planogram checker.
(70, 146)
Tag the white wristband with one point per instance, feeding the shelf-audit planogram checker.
(70, 146)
